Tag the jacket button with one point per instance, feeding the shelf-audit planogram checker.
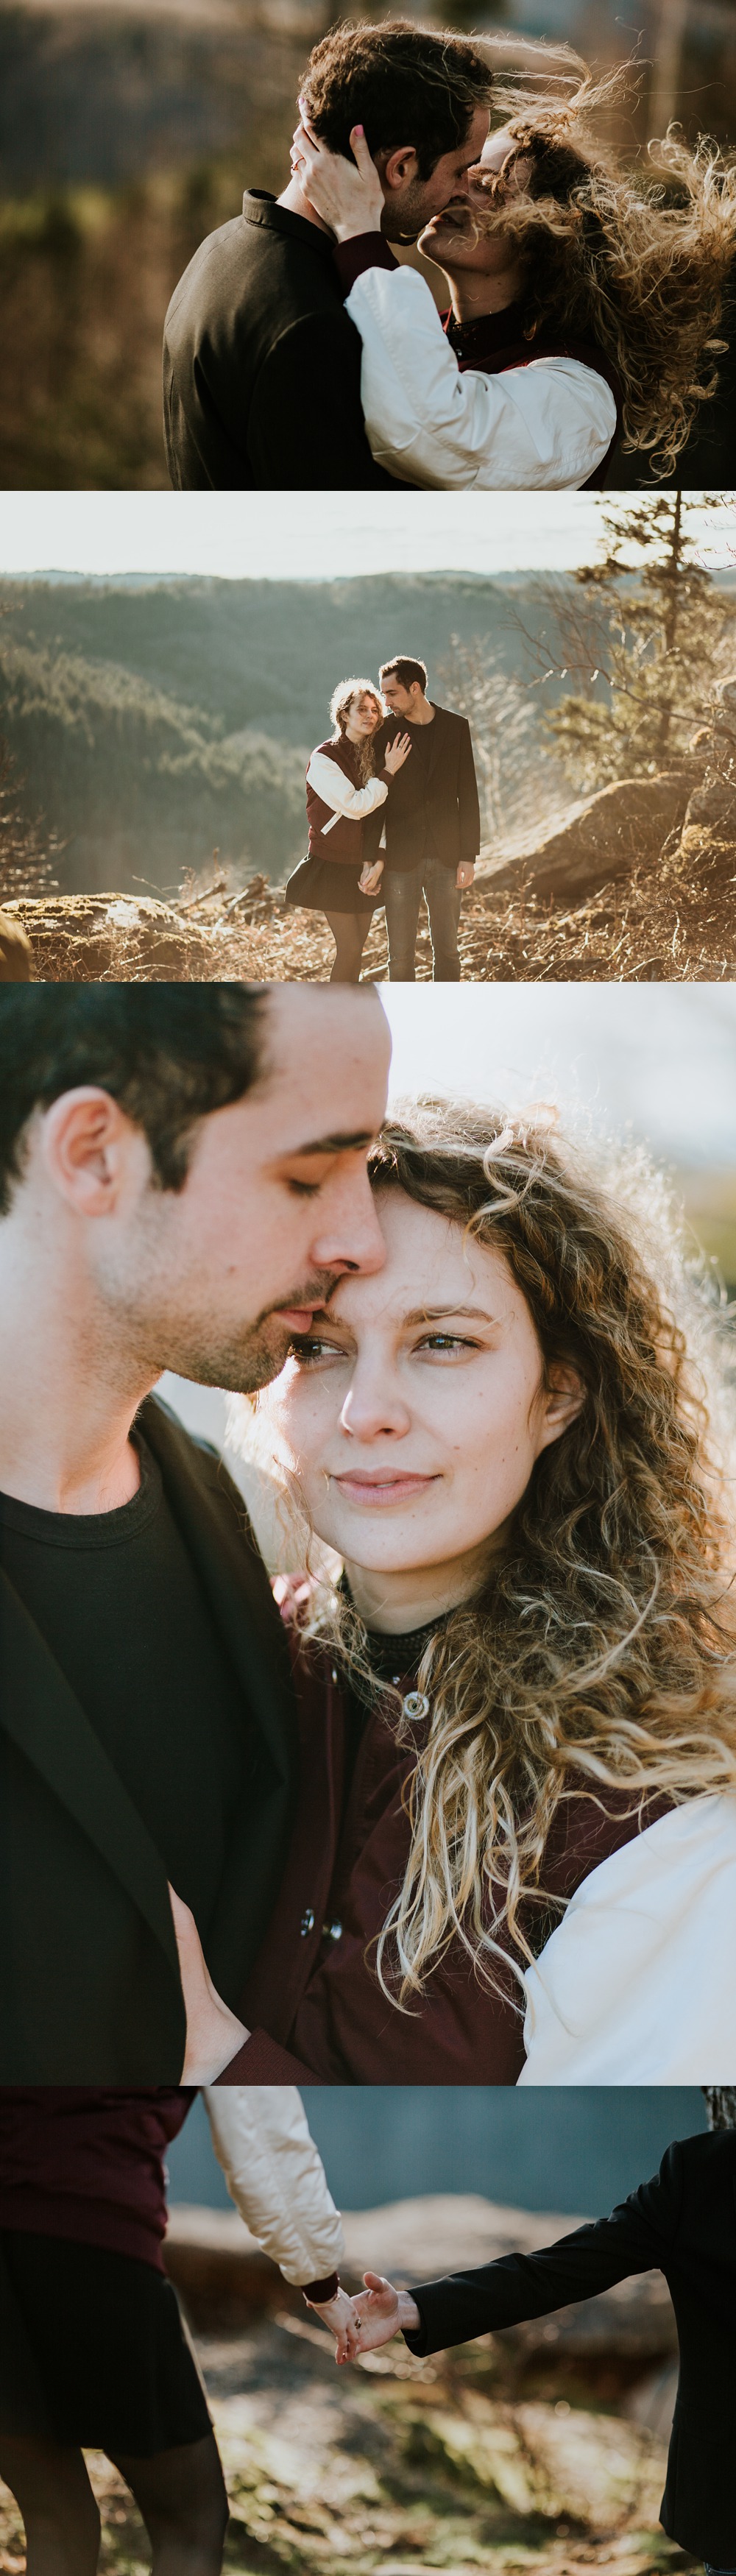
(332, 1931)
(307, 1922)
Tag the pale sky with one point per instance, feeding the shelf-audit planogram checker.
(314, 535)
(659, 1060)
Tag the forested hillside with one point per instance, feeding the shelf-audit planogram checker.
(152, 722)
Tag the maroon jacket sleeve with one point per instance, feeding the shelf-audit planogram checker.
(263, 2061)
(366, 250)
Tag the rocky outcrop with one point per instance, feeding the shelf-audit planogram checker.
(620, 828)
(87, 938)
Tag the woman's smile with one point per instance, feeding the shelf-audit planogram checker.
(381, 1486)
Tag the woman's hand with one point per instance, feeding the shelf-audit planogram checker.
(370, 877)
(398, 751)
(338, 2315)
(347, 194)
(465, 873)
(214, 2034)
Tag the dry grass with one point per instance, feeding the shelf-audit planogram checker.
(658, 925)
(405, 2467)
(653, 927)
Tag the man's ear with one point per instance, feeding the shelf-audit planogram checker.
(88, 1145)
(399, 168)
(564, 1399)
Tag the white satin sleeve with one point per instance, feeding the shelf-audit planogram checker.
(335, 789)
(275, 2175)
(543, 427)
(637, 1985)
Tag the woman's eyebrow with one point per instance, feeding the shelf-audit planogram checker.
(433, 1314)
(417, 1314)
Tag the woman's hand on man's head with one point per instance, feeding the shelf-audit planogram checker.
(347, 194)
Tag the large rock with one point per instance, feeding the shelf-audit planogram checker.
(622, 827)
(86, 938)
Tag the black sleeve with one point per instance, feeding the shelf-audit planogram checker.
(635, 2238)
(468, 798)
(306, 429)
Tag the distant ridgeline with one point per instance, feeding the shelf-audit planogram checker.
(153, 722)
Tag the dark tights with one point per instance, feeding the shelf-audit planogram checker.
(180, 2495)
(350, 932)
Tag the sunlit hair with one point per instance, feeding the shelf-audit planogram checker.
(600, 1650)
(340, 705)
(637, 263)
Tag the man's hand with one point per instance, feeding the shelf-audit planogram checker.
(214, 2034)
(465, 873)
(347, 194)
(378, 2313)
(381, 2312)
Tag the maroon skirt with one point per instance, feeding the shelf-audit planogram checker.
(328, 885)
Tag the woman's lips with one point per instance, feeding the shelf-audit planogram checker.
(375, 1491)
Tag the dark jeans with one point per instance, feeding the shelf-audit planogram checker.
(402, 895)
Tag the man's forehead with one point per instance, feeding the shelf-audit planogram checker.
(477, 135)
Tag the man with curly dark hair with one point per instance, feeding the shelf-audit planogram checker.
(261, 363)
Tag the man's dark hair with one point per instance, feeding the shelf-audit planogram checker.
(403, 84)
(404, 670)
(168, 1053)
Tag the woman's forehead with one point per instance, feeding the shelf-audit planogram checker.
(428, 1255)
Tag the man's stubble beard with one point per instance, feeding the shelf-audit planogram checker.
(241, 1366)
(140, 1331)
(404, 223)
(240, 1359)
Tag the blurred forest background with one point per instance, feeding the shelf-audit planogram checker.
(128, 129)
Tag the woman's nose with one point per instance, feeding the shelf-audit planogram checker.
(374, 1406)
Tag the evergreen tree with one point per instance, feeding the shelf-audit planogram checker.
(651, 632)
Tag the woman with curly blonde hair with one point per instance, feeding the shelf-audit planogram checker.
(585, 299)
(515, 1850)
(346, 791)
